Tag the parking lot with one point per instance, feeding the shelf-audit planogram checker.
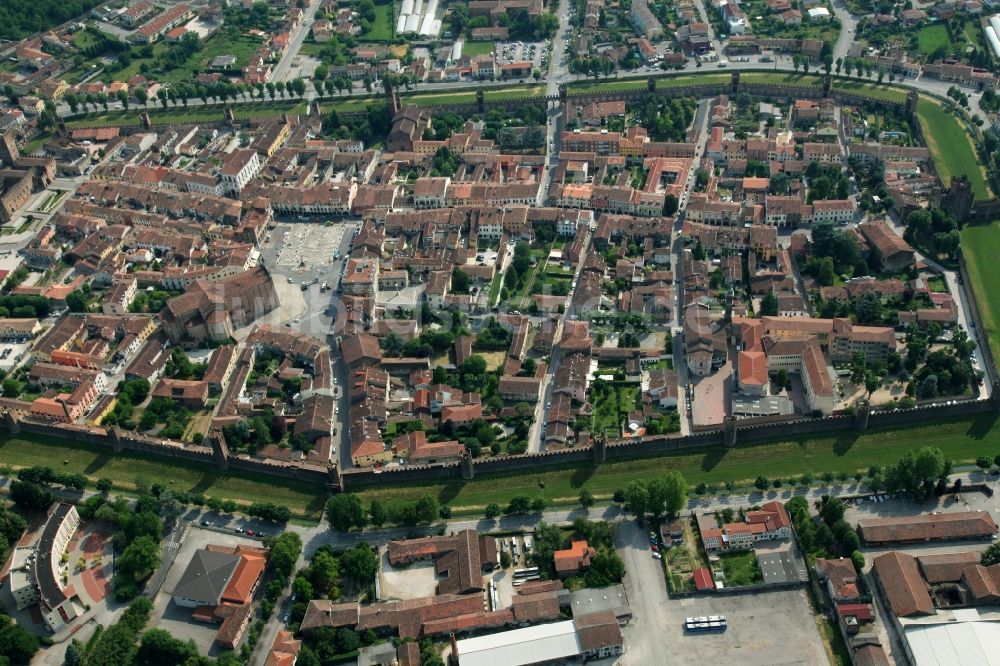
(768, 627)
(176, 620)
(11, 353)
(537, 53)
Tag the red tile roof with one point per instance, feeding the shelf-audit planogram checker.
(905, 590)
(703, 579)
(931, 527)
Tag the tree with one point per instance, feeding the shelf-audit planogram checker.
(76, 301)
(159, 648)
(285, 551)
(636, 498)
(676, 496)
(670, 205)
(991, 556)
(858, 558)
(492, 511)
(17, 646)
(30, 496)
(74, 654)
(826, 273)
(586, 499)
(831, 510)
(761, 483)
(872, 382)
(344, 511)
(984, 463)
(769, 305)
(360, 563)
(104, 486)
(427, 508)
(138, 559)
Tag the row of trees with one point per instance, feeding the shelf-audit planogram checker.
(916, 472)
(661, 496)
(347, 511)
(517, 506)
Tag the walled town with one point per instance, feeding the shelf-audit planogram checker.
(481, 332)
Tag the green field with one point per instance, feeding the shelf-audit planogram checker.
(477, 48)
(348, 105)
(583, 87)
(932, 37)
(951, 148)
(193, 114)
(961, 440)
(873, 90)
(433, 99)
(783, 78)
(304, 500)
(741, 569)
(981, 247)
(703, 79)
(516, 92)
(381, 29)
(222, 43)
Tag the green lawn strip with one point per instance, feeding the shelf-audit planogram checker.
(961, 440)
(981, 247)
(303, 499)
(381, 29)
(951, 147)
(347, 105)
(180, 114)
(581, 87)
(269, 109)
(495, 287)
(783, 78)
(515, 93)
(434, 99)
(477, 48)
(873, 90)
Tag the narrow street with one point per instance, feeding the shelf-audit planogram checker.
(281, 70)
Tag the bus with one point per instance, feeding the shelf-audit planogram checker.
(705, 624)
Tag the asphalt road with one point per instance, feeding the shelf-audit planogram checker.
(280, 72)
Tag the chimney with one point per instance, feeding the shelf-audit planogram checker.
(453, 659)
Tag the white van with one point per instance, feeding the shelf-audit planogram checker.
(723, 63)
